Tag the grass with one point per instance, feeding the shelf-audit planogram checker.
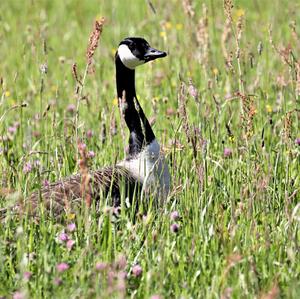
(232, 154)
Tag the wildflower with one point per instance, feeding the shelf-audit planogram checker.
(179, 26)
(297, 141)
(81, 146)
(57, 281)
(163, 34)
(155, 297)
(100, 266)
(240, 12)
(227, 152)
(115, 101)
(121, 285)
(71, 216)
(137, 270)
(174, 228)
(268, 108)
(7, 93)
(63, 237)
(71, 108)
(89, 134)
(91, 154)
(70, 244)
(121, 262)
(215, 71)
(12, 129)
(27, 275)
(27, 167)
(62, 267)
(46, 183)
(174, 215)
(168, 25)
(18, 295)
(71, 227)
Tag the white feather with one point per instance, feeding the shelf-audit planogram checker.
(150, 169)
(127, 58)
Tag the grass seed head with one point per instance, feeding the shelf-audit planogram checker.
(94, 40)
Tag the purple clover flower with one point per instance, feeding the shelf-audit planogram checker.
(27, 167)
(91, 154)
(100, 266)
(62, 267)
(89, 134)
(70, 244)
(71, 227)
(174, 228)
(137, 270)
(174, 215)
(227, 152)
(63, 237)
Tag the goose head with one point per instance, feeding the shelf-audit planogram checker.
(134, 51)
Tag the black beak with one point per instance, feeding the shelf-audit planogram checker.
(152, 54)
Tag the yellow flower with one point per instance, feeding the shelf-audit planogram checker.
(179, 26)
(168, 25)
(163, 34)
(115, 101)
(240, 12)
(215, 71)
(269, 108)
(231, 138)
(71, 216)
(7, 93)
(113, 51)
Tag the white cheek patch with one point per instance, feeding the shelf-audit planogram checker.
(127, 58)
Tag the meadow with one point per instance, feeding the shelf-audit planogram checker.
(225, 105)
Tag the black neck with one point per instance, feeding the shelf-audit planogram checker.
(134, 118)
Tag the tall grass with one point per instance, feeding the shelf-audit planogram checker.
(226, 107)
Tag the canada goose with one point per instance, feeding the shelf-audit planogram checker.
(144, 168)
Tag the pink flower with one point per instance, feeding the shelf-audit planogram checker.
(91, 154)
(227, 152)
(27, 167)
(121, 262)
(63, 237)
(89, 134)
(137, 270)
(27, 275)
(62, 267)
(100, 266)
(81, 146)
(174, 215)
(57, 281)
(297, 141)
(174, 228)
(70, 244)
(46, 183)
(155, 297)
(71, 108)
(71, 227)
(18, 295)
(12, 130)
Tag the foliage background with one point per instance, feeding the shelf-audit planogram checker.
(236, 181)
